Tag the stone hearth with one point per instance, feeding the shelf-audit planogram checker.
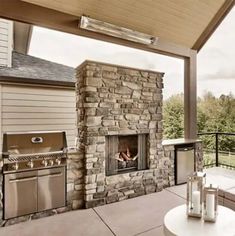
(113, 101)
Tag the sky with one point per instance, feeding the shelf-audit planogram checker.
(215, 62)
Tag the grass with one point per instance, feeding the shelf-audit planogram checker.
(225, 158)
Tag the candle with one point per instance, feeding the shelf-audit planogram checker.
(196, 202)
(193, 188)
(210, 205)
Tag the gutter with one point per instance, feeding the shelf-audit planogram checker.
(19, 80)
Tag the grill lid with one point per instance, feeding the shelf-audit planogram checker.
(33, 143)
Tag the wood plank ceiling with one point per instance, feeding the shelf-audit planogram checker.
(178, 21)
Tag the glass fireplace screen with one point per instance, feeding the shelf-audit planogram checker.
(125, 153)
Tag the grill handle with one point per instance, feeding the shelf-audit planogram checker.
(52, 175)
(22, 179)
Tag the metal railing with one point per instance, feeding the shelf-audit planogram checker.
(218, 150)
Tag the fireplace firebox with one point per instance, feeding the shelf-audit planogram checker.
(126, 153)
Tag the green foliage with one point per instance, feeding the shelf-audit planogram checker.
(217, 115)
(213, 115)
(173, 117)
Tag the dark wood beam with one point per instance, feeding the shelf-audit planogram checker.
(36, 15)
(214, 23)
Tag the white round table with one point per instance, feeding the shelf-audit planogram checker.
(177, 223)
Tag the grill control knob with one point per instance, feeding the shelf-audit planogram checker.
(30, 164)
(44, 162)
(15, 166)
(51, 162)
(58, 161)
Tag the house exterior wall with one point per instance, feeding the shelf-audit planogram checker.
(28, 108)
(6, 42)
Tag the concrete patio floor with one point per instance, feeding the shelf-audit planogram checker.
(138, 216)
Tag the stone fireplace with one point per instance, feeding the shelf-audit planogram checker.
(119, 131)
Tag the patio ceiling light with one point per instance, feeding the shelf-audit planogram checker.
(116, 31)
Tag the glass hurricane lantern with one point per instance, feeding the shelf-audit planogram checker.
(210, 203)
(195, 187)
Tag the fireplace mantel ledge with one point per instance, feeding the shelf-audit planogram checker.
(179, 141)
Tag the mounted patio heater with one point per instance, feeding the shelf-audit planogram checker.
(116, 31)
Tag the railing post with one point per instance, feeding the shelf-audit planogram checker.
(217, 149)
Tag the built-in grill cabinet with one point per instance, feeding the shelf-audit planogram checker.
(34, 172)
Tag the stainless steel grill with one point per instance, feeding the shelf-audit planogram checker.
(34, 172)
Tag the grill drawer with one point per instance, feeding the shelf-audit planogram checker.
(51, 188)
(20, 194)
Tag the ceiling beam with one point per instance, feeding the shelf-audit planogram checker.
(214, 23)
(40, 16)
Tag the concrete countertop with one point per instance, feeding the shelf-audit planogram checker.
(179, 141)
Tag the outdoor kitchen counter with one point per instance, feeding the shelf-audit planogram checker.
(179, 141)
(169, 156)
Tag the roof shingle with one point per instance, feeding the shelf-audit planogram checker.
(29, 67)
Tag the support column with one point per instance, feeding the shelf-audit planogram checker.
(190, 96)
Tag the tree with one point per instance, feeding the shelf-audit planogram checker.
(173, 117)
(213, 115)
(217, 115)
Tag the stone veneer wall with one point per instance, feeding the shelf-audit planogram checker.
(169, 162)
(75, 180)
(113, 100)
(75, 192)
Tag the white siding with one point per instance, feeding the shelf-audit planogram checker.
(6, 41)
(25, 108)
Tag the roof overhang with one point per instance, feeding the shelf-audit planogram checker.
(22, 37)
(181, 26)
